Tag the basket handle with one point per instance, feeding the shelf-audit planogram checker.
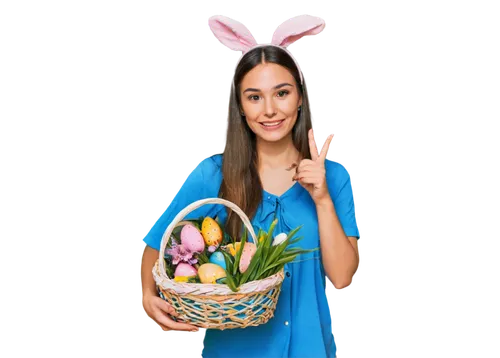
(166, 235)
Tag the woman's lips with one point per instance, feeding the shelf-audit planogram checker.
(277, 125)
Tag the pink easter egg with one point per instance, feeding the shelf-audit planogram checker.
(192, 239)
(184, 269)
(246, 256)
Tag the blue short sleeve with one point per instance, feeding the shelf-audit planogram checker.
(341, 191)
(200, 184)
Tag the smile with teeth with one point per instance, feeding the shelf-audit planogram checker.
(272, 124)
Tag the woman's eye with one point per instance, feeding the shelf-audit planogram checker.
(256, 97)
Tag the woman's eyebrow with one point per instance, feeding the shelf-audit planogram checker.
(275, 87)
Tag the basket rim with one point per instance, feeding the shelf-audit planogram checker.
(205, 289)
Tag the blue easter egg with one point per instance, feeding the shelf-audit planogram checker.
(218, 259)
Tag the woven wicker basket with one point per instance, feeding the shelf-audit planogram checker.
(215, 305)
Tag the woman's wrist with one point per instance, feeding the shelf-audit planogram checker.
(324, 203)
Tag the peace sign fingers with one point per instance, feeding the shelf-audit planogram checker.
(314, 150)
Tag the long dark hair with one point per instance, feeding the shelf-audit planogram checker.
(241, 182)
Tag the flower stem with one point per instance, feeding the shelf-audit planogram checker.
(202, 258)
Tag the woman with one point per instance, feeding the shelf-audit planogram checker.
(269, 133)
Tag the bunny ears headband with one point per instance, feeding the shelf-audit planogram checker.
(236, 36)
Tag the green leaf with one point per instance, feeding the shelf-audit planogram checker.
(291, 242)
(169, 270)
(231, 284)
(202, 258)
(278, 265)
(294, 231)
(229, 261)
(238, 254)
(272, 253)
(230, 279)
(277, 251)
(237, 278)
(295, 252)
(269, 237)
(268, 240)
(265, 253)
(298, 251)
(194, 279)
(286, 257)
(255, 271)
(251, 267)
(172, 236)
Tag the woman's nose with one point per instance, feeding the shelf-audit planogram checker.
(270, 108)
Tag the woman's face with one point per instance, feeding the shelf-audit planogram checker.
(270, 99)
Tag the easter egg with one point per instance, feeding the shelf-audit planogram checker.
(184, 269)
(246, 256)
(192, 239)
(211, 231)
(209, 273)
(279, 239)
(218, 259)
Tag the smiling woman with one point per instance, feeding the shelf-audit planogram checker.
(272, 112)
(269, 119)
(269, 133)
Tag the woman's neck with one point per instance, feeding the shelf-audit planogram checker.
(277, 155)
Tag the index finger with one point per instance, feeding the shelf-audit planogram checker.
(326, 146)
(312, 145)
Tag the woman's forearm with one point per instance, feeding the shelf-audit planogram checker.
(338, 255)
(149, 258)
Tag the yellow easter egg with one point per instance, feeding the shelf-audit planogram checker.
(211, 232)
(209, 273)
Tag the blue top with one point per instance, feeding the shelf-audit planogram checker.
(301, 326)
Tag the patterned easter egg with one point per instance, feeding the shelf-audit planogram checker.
(192, 239)
(211, 231)
(246, 256)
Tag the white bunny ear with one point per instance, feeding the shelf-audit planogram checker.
(295, 28)
(231, 33)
